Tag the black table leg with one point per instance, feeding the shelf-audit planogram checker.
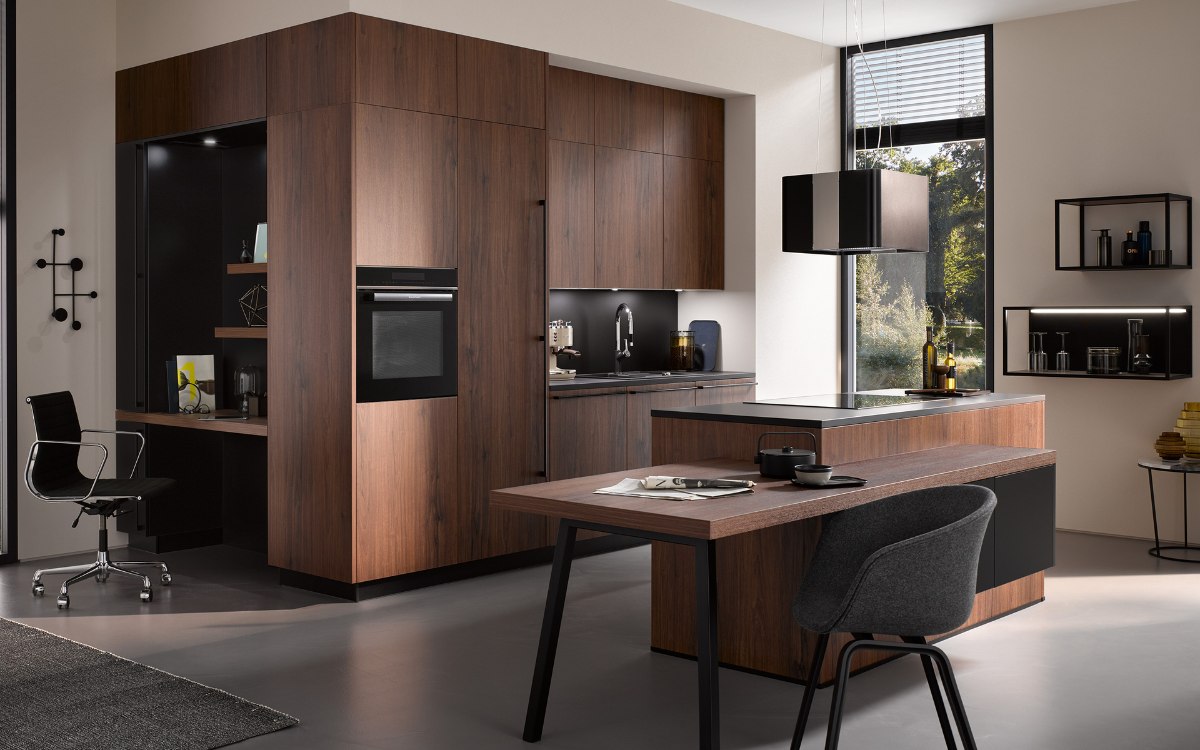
(1154, 509)
(556, 596)
(706, 644)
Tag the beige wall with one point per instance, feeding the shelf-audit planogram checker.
(66, 55)
(1098, 102)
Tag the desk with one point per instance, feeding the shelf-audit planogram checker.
(698, 524)
(248, 426)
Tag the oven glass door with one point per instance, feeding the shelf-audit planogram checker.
(407, 345)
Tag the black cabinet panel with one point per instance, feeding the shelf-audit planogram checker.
(1024, 523)
(131, 278)
(986, 576)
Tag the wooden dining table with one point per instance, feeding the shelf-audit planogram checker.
(700, 523)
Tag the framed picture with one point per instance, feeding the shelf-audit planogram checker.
(196, 380)
(260, 243)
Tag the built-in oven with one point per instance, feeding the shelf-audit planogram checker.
(407, 333)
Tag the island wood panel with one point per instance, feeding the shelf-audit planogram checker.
(405, 189)
(406, 489)
(570, 104)
(697, 440)
(311, 65)
(501, 83)
(501, 315)
(588, 434)
(629, 219)
(693, 125)
(628, 115)
(404, 66)
(211, 87)
(693, 223)
(249, 426)
(571, 203)
(310, 467)
(640, 401)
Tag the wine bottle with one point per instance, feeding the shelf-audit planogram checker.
(928, 360)
(952, 373)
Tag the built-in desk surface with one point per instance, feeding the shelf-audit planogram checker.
(249, 426)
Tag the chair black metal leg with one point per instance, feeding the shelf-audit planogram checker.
(706, 644)
(936, 692)
(834, 732)
(956, 701)
(556, 596)
(810, 689)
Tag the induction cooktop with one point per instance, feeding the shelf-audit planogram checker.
(846, 400)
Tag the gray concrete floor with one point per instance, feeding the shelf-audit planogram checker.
(1109, 660)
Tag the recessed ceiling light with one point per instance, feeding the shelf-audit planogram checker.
(210, 141)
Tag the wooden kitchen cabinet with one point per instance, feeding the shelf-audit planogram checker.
(571, 223)
(693, 125)
(629, 219)
(404, 66)
(628, 115)
(501, 83)
(501, 315)
(640, 401)
(311, 65)
(693, 224)
(211, 87)
(587, 433)
(570, 105)
(735, 391)
(405, 188)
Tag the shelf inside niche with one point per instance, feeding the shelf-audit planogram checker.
(240, 332)
(1075, 230)
(245, 268)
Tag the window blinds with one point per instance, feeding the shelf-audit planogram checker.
(933, 81)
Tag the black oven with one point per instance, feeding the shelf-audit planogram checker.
(407, 333)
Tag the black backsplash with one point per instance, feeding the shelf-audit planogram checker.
(592, 313)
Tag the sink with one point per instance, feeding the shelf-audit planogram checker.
(637, 374)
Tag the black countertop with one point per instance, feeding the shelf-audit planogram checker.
(823, 417)
(581, 382)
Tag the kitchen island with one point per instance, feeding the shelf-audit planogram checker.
(759, 572)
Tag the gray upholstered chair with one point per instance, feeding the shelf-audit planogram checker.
(902, 566)
(52, 474)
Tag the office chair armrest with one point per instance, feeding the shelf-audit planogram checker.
(33, 458)
(141, 445)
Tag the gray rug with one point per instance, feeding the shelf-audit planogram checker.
(57, 694)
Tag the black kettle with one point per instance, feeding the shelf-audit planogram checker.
(780, 463)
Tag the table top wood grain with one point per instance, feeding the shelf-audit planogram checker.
(773, 502)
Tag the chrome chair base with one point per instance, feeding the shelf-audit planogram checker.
(100, 570)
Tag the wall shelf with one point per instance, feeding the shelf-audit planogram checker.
(1169, 328)
(241, 268)
(240, 332)
(1174, 210)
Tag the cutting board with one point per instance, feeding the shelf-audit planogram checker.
(708, 337)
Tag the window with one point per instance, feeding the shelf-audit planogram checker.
(923, 105)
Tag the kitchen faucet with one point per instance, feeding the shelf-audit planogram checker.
(623, 345)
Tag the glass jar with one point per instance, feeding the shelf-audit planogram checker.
(1103, 360)
(683, 350)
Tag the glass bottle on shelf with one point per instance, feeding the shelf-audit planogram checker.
(928, 360)
(952, 368)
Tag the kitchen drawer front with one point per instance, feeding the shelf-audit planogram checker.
(641, 401)
(711, 392)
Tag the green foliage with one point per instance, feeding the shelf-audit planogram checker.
(890, 331)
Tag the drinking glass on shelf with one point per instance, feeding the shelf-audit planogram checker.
(1037, 354)
(1062, 360)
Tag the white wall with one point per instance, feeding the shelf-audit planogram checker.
(66, 55)
(1097, 102)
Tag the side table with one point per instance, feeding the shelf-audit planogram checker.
(1152, 465)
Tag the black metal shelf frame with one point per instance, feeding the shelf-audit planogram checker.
(1105, 325)
(1163, 199)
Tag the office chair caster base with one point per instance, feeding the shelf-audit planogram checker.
(166, 579)
(64, 601)
(147, 595)
(38, 589)
(101, 577)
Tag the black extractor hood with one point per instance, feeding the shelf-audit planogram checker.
(855, 212)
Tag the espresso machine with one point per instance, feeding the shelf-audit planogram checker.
(560, 338)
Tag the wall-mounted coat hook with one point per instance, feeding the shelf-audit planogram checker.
(60, 313)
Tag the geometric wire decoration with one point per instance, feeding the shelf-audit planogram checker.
(254, 305)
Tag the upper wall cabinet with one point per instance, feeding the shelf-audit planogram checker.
(215, 86)
(353, 58)
(570, 105)
(629, 219)
(693, 224)
(693, 125)
(501, 83)
(628, 115)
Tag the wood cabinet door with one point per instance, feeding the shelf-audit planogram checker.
(571, 203)
(724, 392)
(407, 487)
(640, 403)
(570, 103)
(311, 65)
(693, 224)
(587, 434)
(501, 83)
(204, 89)
(501, 315)
(405, 189)
(404, 66)
(628, 115)
(629, 219)
(693, 125)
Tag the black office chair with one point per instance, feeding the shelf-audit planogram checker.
(52, 474)
(904, 566)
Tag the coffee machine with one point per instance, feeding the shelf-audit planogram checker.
(560, 338)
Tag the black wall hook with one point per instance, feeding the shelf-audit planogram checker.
(75, 264)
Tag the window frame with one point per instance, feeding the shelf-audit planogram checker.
(912, 134)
